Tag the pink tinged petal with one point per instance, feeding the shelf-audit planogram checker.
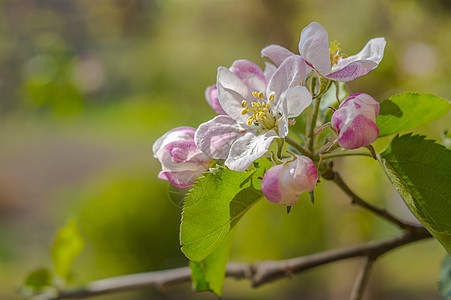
(162, 175)
(360, 132)
(211, 94)
(283, 184)
(305, 175)
(185, 179)
(181, 156)
(216, 136)
(250, 73)
(231, 81)
(289, 74)
(337, 119)
(360, 64)
(186, 152)
(271, 186)
(295, 101)
(231, 101)
(362, 102)
(247, 148)
(176, 134)
(276, 53)
(314, 47)
(270, 69)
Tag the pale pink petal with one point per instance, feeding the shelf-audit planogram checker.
(211, 94)
(250, 73)
(216, 136)
(355, 66)
(270, 69)
(185, 179)
(276, 53)
(289, 74)
(248, 148)
(360, 132)
(314, 47)
(176, 134)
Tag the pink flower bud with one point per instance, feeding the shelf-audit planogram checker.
(355, 121)
(181, 161)
(282, 184)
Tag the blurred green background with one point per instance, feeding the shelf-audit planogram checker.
(86, 87)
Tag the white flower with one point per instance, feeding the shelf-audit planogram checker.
(254, 118)
(326, 58)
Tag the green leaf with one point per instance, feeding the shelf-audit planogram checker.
(214, 205)
(208, 274)
(67, 246)
(39, 279)
(420, 170)
(444, 280)
(408, 110)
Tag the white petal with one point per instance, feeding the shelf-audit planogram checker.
(270, 69)
(360, 64)
(248, 148)
(289, 74)
(231, 81)
(216, 136)
(295, 101)
(314, 47)
(230, 102)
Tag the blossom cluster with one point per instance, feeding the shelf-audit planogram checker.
(256, 107)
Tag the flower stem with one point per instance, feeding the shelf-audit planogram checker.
(311, 136)
(297, 146)
(333, 155)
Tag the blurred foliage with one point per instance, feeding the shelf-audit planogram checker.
(87, 86)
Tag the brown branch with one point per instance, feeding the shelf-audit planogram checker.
(336, 178)
(259, 273)
(361, 281)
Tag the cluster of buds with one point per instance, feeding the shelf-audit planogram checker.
(256, 107)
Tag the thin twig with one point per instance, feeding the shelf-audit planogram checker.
(361, 281)
(259, 273)
(336, 178)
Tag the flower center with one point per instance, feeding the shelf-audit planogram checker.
(334, 52)
(260, 110)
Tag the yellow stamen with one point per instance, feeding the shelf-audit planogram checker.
(255, 94)
(244, 111)
(334, 53)
(260, 95)
(250, 120)
(244, 103)
(271, 98)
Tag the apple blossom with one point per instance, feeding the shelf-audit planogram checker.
(355, 121)
(181, 161)
(256, 113)
(249, 72)
(326, 58)
(282, 184)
